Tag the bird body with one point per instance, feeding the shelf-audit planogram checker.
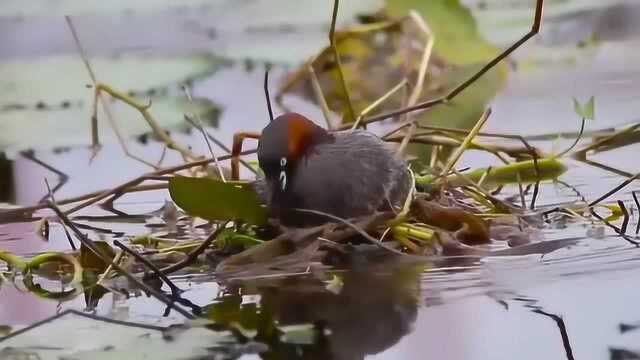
(346, 174)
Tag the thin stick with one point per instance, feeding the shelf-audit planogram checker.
(192, 256)
(336, 54)
(615, 228)
(95, 141)
(378, 101)
(129, 186)
(53, 201)
(317, 89)
(614, 190)
(575, 142)
(563, 331)
(175, 290)
(200, 127)
(82, 314)
(143, 109)
(222, 146)
(625, 220)
(534, 197)
(91, 246)
(266, 94)
(635, 198)
(354, 227)
(465, 144)
(422, 73)
(582, 152)
(523, 203)
(62, 177)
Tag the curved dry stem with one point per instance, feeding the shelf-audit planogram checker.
(143, 109)
(336, 54)
(575, 142)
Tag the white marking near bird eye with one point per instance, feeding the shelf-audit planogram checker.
(283, 180)
(283, 161)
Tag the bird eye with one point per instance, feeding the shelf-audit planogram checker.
(283, 180)
(283, 161)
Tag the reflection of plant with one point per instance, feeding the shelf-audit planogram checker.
(52, 265)
(299, 317)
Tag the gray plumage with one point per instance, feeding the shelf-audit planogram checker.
(354, 175)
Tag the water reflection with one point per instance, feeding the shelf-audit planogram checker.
(353, 314)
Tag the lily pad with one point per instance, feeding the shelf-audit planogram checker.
(216, 200)
(54, 80)
(67, 7)
(38, 129)
(75, 335)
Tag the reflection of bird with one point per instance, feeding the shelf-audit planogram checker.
(346, 174)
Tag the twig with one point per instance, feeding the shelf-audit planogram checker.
(422, 73)
(377, 102)
(62, 177)
(625, 220)
(523, 203)
(575, 142)
(143, 109)
(354, 227)
(317, 89)
(175, 290)
(192, 256)
(91, 246)
(266, 94)
(535, 28)
(614, 190)
(222, 146)
(129, 186)
(336, 54)
(465, 144)
(563, 331)
(82, 314)
(635, 199)
(142, 178)
(95, 141)
(615, 228)
(53, 201)
(200, 127)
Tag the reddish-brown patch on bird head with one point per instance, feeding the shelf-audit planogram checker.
(302, 134)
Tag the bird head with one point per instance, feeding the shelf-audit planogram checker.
(284, 143)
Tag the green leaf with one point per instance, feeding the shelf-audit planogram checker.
(216, 200)
(456, 34)
(458, 41)
(586, 110)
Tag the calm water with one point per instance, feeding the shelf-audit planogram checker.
(568, 303)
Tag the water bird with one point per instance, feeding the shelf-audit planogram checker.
(349, 173)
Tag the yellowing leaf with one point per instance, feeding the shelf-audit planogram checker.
(586, 110)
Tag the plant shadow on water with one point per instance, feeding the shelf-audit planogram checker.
(565, 292)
